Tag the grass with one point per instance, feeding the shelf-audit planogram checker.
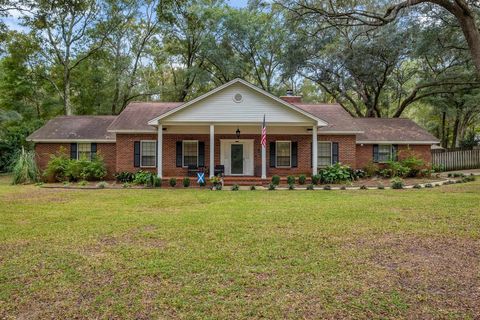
(249, 254)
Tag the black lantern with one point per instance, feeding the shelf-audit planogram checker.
(238, 133)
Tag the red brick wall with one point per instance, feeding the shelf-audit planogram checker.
(365, 153)
(125, 144)
(106, 150)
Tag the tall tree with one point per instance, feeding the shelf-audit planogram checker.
(368, 13)
(63, 28)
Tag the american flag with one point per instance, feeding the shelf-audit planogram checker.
(264, 133)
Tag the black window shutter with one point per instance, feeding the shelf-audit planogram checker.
(93, 151)
(272, 155)
(395, 152)
(294, 154)
(335, 153)
(201, 153)
(136, 154)
(375, 153)
(179, 160)
(73, 151)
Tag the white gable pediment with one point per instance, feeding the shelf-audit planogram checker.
(220, 105)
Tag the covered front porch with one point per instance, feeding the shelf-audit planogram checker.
(235, 150)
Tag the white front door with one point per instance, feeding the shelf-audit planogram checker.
(237, 157)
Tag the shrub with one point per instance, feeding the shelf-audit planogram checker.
(95, 169)
(126, 185)
(310, 187)
(335, 174)
(276, 180)
(327, 188)
(417, 186)
(235, 187)
(124, 176)
(315, 179)
(396, 169)
(414, 164)
(291, 186)
(363, 187)
(101, 185)
(172, 182)
(218, 187)
(216, 180)
(449, 175)
(343, 188)
(357, 174)
(437, 168)
(25, 168)
(386, 173)
(371, 169)
(272, 186)
(397, 183)
(458, 175)
(186, 182)
(142, 178)
(155, 181)
(83, 183)
(253, 188)
(428, 185)
(425, 173)
(290, 180)
(56, 167)
(380, 187)
(302, 179)
(66, 183)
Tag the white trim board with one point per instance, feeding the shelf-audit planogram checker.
(398, 142)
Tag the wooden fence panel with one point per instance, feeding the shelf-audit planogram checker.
(457, 159)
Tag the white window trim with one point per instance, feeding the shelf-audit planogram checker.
(276, 153)
(78, 150)
(183, 152)
(331, 153)
(391, 153)
(141, 153)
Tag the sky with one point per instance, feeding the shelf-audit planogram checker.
(13, 22)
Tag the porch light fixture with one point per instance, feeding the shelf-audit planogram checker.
(238, 133)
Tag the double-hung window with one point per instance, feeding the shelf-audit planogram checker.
(84, 151)
(384, 152)
(324, 153)
(190, 153)
(284, 154)
(148, 153)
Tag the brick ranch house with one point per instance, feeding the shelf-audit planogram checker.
(223, 127)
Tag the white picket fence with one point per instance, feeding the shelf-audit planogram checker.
(457, 159)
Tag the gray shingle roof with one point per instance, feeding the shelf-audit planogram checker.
(392, 129)
(75, 128)
(136, 115)
(338, 119)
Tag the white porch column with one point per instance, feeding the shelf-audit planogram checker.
(160, 150)
(212, 150)
(264, 161)
(314, 150)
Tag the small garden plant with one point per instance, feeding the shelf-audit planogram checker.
(186, 182)
(272, 186)
(291, 187)
(302, 179)
(25, 168)
(276, 180)
(172, 182)
(291, 180)
(397, 183)
(235, 187)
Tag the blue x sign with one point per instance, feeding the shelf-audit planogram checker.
(201, 177)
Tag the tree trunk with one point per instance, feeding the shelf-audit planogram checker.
(66, 93)
(444, 134)
(472, 35)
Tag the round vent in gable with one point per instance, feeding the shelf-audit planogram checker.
(237, 97)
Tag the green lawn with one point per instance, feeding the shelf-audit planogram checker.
(247, 254)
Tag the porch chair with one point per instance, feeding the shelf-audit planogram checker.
(219, 170)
